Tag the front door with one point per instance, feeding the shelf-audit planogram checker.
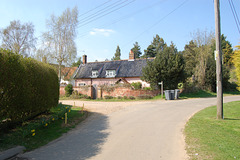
(94, 90)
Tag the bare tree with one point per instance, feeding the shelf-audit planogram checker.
(59, 39)
(204, 42)
(19, 38)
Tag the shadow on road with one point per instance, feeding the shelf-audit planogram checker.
(93, 134)
(81, 143)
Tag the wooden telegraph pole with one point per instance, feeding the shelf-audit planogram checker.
(218, 55)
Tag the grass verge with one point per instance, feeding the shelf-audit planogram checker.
(209, 138)
(203, 94)
(32, 135)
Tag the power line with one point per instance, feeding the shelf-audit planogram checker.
(124, 17)
(234, 14)
(106, 14)
(94, 8)
(105, 9)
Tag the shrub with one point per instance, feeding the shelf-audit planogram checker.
(125, 97)
(137, 85)
(75, 96)
(83, 96)
(148, 88)
(119, 97)
(108, 97)
(27, 87)
(144, 96)
(68, 90)
(132, 98)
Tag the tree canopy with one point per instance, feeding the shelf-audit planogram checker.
(236, 62)
(227, 51)
(156, 46)
(18, 38)
(168, 67)
(59, 39)
(200, 61)
(76, 64)
(136, 50)
(117, 54)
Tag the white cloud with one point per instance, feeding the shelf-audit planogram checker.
(99, 31)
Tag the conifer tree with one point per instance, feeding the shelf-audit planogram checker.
(117, 54)
(136, 50)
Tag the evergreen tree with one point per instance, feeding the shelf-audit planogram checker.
(76, 64)
(155, 47)
(227, 51)
(136, 50)
(168, 67)
(117, 54)
(189, 55)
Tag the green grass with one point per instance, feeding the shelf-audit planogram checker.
(203, 94)
(199, 94)
(22, 135)
(209, 138)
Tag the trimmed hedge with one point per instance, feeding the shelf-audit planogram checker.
(27, 87)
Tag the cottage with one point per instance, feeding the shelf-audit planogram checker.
(110, 72)
(67, 74)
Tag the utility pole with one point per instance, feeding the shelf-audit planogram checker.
(218, 54)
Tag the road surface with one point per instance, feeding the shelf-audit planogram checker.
(148, 130)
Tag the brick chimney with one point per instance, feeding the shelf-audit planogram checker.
(84, 59)
(131, 55)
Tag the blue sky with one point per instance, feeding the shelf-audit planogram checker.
(138, 20)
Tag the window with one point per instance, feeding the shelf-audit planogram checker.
(110, 73)
(81, 84)
(94, 73)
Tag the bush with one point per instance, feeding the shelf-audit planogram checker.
(27, 87)
(108, 97)
(132, 98)
(119, 97)
(145, 97)
(68, 90)
(148, 88)
(137, 85)
(83, 96)
(125, 97)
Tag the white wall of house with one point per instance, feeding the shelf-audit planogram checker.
(131, 80)
(109, 81)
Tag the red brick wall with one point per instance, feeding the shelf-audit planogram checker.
(122, 91)
(83, 90)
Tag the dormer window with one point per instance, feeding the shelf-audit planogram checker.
(94, 73)
(110, 73)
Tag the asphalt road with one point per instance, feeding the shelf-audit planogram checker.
(151, 130)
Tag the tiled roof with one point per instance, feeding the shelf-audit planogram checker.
(68, 72)
(123, 68)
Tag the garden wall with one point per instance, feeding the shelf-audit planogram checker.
(124, 91)
(114, 92)
(86, 90)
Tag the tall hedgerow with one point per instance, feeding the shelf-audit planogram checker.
(27, 87)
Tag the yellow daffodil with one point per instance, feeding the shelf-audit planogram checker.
(33, 134)
(66, 107)
(46, 125)
(33, 130)
(53, 119)
(62, 118)
(69, 111)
